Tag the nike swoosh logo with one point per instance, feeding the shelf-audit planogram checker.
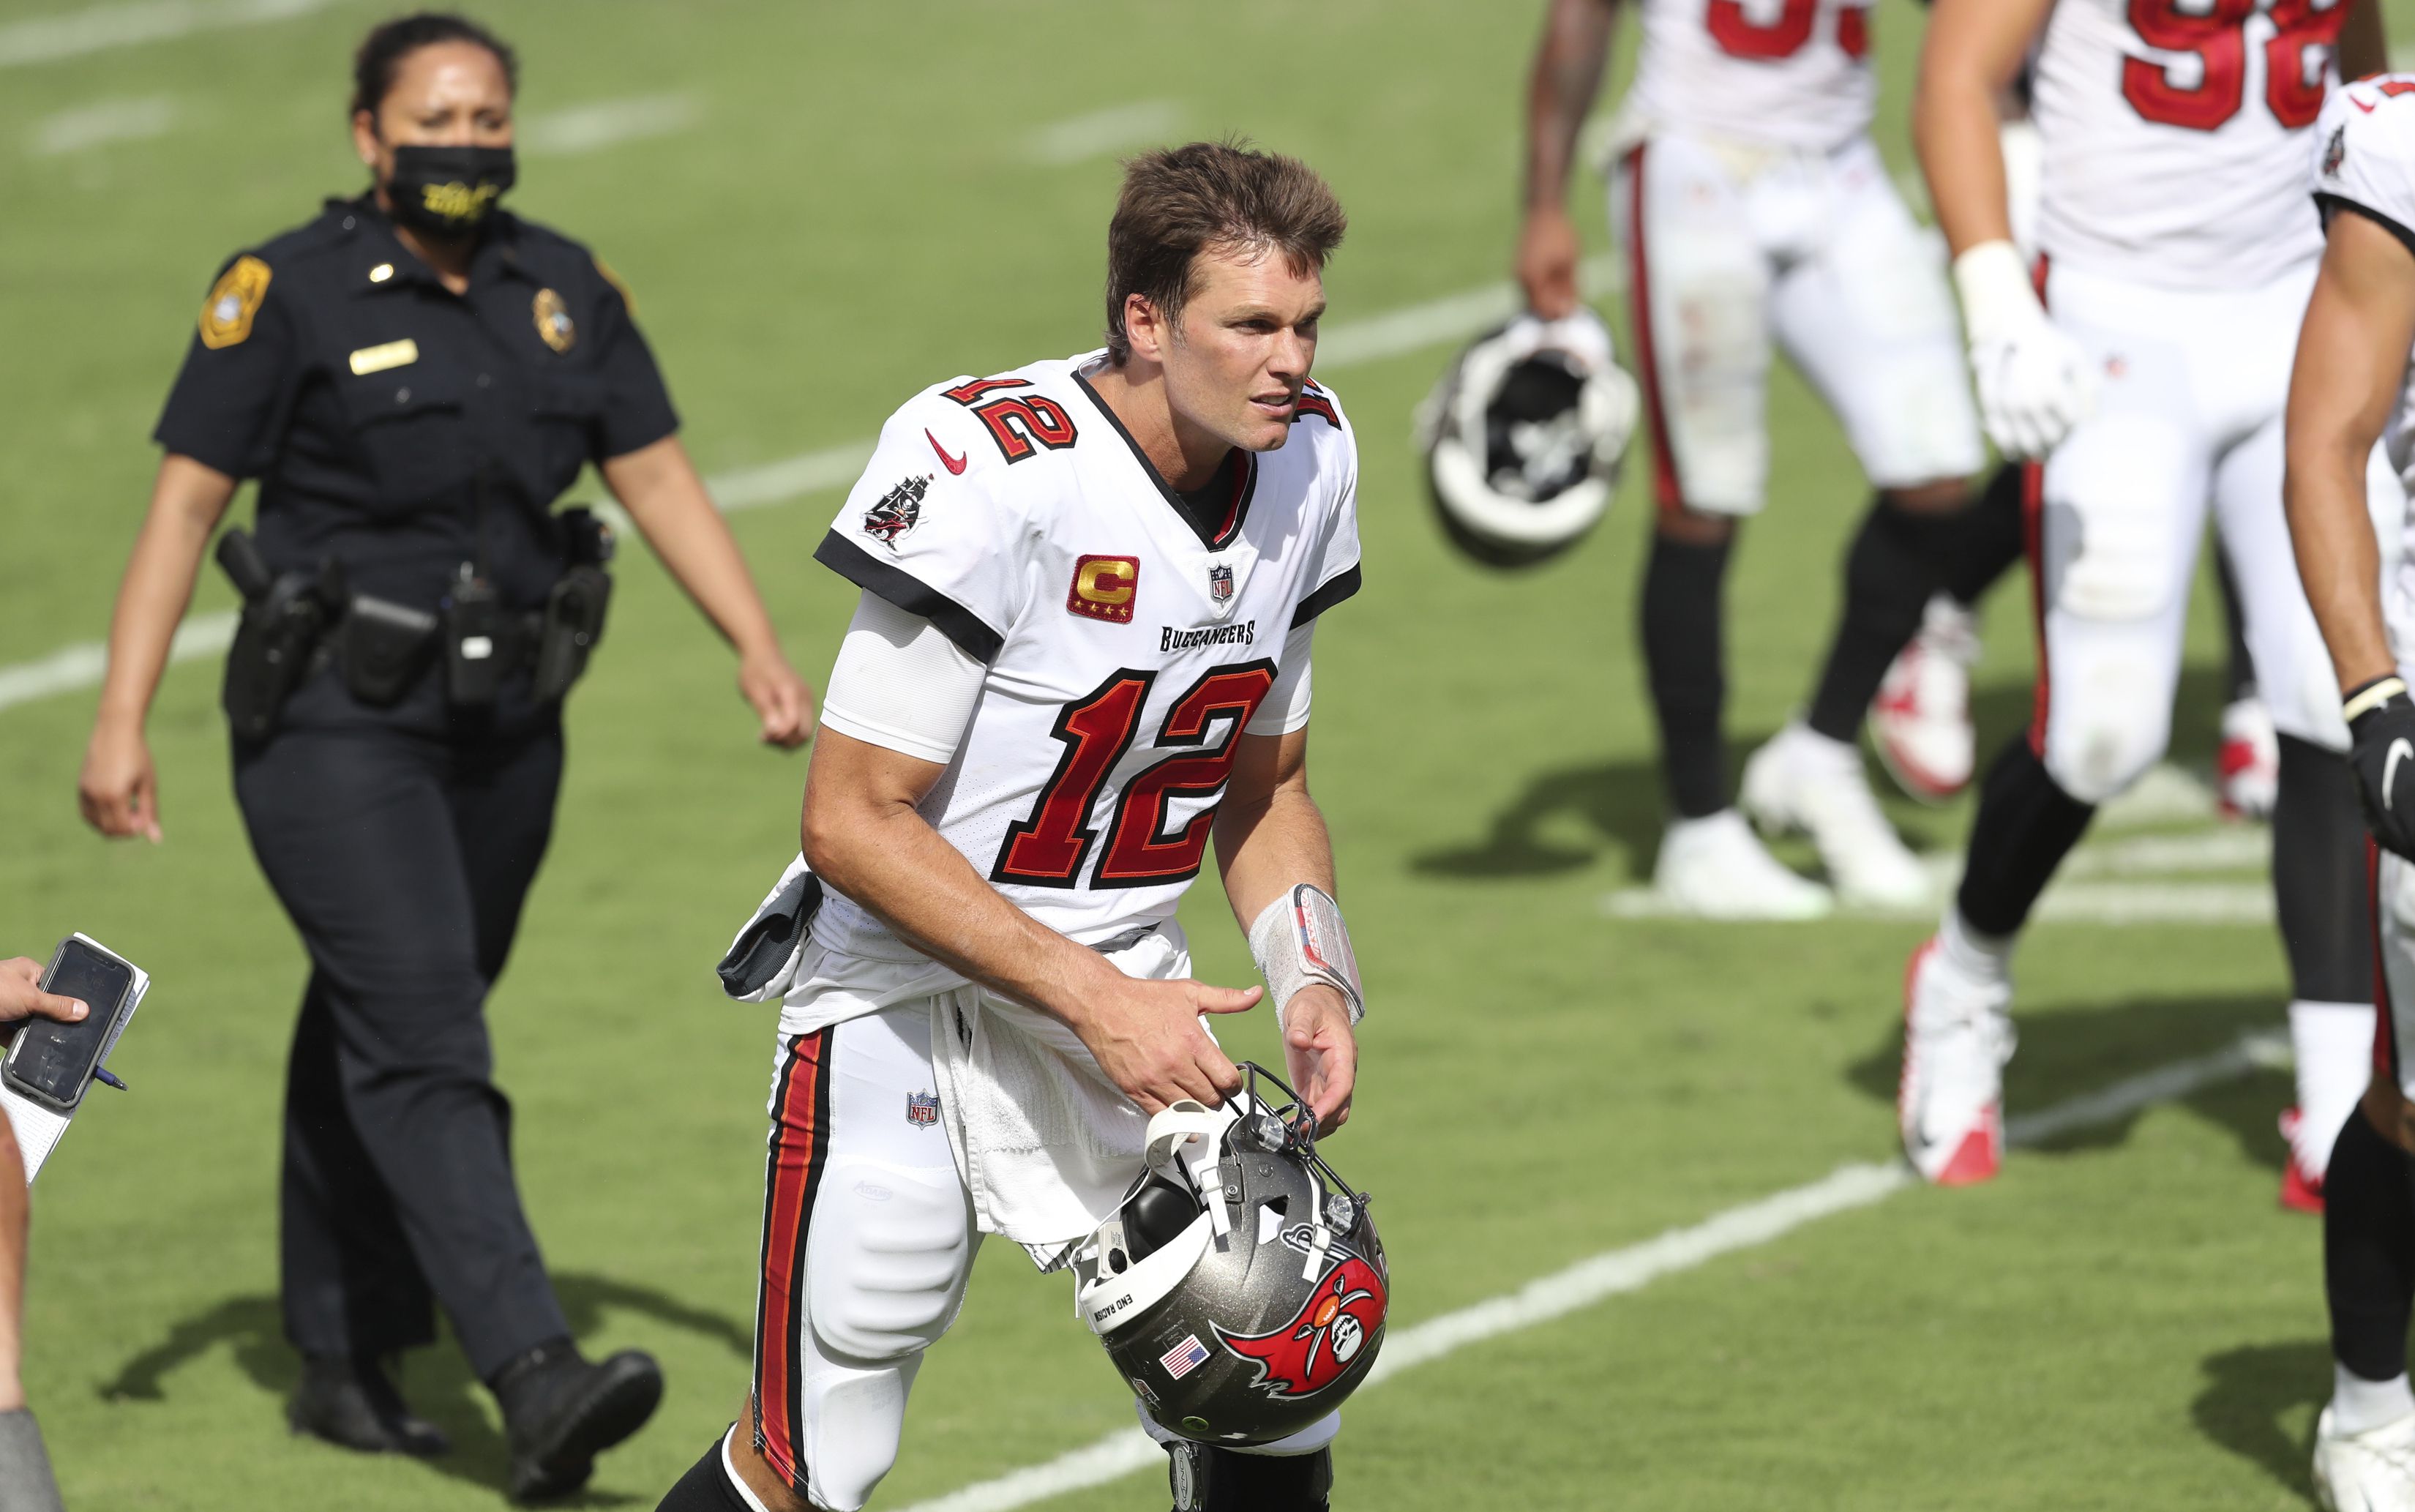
(955, 464)
(2399, 751)
(2359, 105)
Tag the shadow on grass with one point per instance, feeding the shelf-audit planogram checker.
(2069, 1051)
(2247, 1393)
(437, 1382)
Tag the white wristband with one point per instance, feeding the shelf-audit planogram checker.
(1996, 297)
(1300, 941)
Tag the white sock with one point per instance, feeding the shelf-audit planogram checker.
(2360, 1406)
(746, 1492)
(1982, 956)
(2333, 1045)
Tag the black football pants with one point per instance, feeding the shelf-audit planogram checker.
(403, 859)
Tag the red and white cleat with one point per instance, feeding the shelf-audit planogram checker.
(2301, 1190)
(1920, 722)
(1949, 1102)
(2247, 765)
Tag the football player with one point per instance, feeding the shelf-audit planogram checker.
(2349, 389)
(1091, 587)
(1754, 210)
(2144, 365)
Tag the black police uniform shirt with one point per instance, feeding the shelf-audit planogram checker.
(402, 429)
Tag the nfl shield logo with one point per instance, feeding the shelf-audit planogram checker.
(1220, 582)
(922, 1109)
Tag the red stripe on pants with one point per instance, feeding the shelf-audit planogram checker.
(2385, 1023)
(1666, 489)
(799, 1147)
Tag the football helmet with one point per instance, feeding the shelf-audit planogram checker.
(1240, 1289)
(1524, 437)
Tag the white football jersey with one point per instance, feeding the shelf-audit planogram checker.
(2174, 136)
(1126, 652)
(1786, 73)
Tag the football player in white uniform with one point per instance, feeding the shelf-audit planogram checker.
(1089, 590)
(2354, 385)
(1754, 211)
(2176, 259)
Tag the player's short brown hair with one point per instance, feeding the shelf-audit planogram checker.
(1210, 197)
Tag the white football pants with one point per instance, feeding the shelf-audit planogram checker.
(1728, 246)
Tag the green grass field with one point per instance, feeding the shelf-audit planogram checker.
(842, 204)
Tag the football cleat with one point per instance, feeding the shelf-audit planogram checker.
(2301, 1190)
(1804, 783)
(2369, 1472)
(1718, 868)
(1920, 722)
(1949, 1102)
(2247, 765)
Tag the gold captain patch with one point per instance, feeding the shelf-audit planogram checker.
(378, 359)
(226, 315)
(553, 321)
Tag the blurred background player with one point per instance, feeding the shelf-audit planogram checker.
(415, 376)
(2177, 256)
(1753, 208)
(2349, 390)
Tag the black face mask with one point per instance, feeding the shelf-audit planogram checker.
(448, 191)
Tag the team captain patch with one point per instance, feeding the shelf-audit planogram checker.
(226, 315)
(1105, 588)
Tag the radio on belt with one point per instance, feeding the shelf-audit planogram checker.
(49, 1064)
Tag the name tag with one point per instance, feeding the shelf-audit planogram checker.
(401, 353)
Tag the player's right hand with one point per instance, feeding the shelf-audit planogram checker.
(1546, 261)
(1146, 1036)
(21, 996)
(2034, 381)
(2382, 753)
(119, 789)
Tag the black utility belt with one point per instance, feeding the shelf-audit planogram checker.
(294, 623)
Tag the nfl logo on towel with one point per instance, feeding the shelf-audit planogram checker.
(1220, 582)
(1184, 1357)
(922, 1109)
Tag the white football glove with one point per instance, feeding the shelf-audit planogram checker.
(2034, 381)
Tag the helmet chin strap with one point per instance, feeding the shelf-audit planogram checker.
(1191, 1124)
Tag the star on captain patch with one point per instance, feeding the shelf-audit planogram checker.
(553, 322)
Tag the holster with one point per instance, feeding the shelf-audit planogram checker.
(284, 617)
(573, 623)
(385, 648)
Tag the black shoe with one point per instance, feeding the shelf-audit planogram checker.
(560, 1411)
(349, 1402)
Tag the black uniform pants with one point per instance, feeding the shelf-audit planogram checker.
(403, 859)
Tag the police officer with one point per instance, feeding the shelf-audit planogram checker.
(414, 377)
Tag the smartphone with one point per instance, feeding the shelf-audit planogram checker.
(52, 1063)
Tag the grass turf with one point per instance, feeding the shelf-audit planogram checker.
(2124, 1320)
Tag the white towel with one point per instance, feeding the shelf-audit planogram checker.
(1046, 1145)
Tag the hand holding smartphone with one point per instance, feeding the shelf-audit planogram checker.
(51, 1062)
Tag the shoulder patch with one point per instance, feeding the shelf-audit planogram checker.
(617, 287)
(235, 299)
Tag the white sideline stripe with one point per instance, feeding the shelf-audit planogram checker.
(2112, 904)
(608, 123)
(1616, 1272)
(75, 33)
(1378, 337)
(1080, 138)
(102, 122)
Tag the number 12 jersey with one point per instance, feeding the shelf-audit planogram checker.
(1128, 648)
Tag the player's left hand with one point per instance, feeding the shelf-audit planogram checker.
(1321, 1052)
(21, 996)
(782, 700)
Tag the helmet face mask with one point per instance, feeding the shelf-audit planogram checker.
(1524, 436)
(1265, 1308)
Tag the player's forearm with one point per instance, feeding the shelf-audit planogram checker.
(1957, 133)
(2338, 561)
(1265, 847)
(188, 500)
(886, 857)
(1560, 93)
(659, 487)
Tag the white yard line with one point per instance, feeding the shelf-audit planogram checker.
(1449, 319)
(608, 123)
(101, 123)
(73, 34)
(1099, 133)
(1616, 1272)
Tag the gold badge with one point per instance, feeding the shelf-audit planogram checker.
(226, 315)
(553, 321)
(378, 359)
